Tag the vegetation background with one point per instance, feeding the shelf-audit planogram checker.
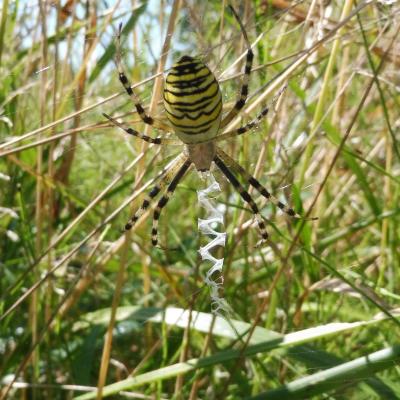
(84, 306)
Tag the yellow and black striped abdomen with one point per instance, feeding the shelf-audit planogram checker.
(192, 99)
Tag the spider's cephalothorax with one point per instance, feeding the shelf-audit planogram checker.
(193, 104)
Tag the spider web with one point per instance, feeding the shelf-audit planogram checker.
(213, 217)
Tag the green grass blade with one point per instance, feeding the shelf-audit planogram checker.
(109, 53)
(334, 378)
(263, 341)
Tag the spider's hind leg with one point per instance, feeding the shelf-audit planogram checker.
(146, 118)
(245, 83)
(254, 123)
(245, 128)
(157, 140)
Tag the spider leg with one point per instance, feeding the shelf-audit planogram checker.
(244, 194)
(148, 139)
(256, 184)
(245, 83)
(166, 177)
(166, 196)
(244, 128)
(147, 119)
(252, 124)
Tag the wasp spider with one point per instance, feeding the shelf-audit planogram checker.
(193, 102)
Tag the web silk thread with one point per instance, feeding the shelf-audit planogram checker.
(214, 277)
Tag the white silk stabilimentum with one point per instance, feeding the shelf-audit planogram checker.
(213, 216)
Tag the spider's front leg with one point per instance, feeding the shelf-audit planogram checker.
(230, 162)
(167, 176)
(245, 196)
(171, 177)
(165, 198)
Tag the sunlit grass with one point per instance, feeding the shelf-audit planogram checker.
(69, 181)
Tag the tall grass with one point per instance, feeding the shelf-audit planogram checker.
(86, 308)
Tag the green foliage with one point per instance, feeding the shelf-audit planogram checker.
(313, 312)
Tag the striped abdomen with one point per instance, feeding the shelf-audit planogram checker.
(192, 100)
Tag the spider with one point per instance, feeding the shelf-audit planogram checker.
(193, 103)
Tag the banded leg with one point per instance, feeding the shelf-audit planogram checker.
(166, 178)
(245, 128)
(245, 83)
(147, 119)
(245, 196)
(148, 139)
(256, 184)
(165, 198)
(252, 124)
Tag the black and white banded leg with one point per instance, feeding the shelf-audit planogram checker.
(256, 184)
(252, 124)
(245, 83)
(148, 139)
(147, 119)
(165, 198)
(245, 196)
(243, 129)
(165, 179)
